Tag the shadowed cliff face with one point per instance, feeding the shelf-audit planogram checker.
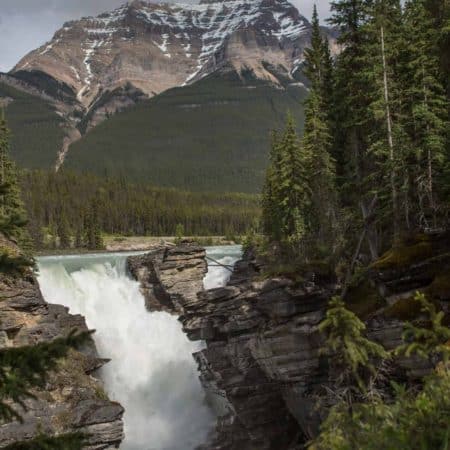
(73, 400)
(262, 361)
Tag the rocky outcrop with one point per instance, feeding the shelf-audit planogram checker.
(73, 399)
(170, 277)
(262, 361)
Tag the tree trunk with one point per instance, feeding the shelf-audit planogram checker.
(395, 208)
(429, 158)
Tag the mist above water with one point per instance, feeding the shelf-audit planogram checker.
(152, 372)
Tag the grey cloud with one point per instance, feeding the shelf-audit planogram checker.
(27, 24)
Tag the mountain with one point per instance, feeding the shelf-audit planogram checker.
(38, 130)
(213, 135)
(96, 67)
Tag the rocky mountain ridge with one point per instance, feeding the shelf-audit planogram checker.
(262, 361)
(158, 46)
(97, 66)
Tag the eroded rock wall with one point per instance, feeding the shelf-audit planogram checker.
(262, 358)
(73, 399)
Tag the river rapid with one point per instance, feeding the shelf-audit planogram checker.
(151, 372)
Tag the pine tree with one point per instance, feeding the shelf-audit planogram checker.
(63, 231)
(22, 368)
(93, 236)
(78, 236)
(381, 51)
(271, 215)
(426, 108)
(179, 233)
(315, 66)
(351, 110)
(317, 136)
(12, 213)
(286, 195)
(36, 233)
(293, 187)
(346, 342)
(428, 342)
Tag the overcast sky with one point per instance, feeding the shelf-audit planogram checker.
(27, 24)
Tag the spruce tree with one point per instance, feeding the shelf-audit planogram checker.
(385, 140)
(317, 136)
(63, 231)
(271, 215)
(346, 344)
(78, 236)
(351, 110)
(426, 109)
(286, 196)
(93, 231)
(12, 212)
(293, 186)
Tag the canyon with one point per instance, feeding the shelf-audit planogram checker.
(255, 340)
(262, 362)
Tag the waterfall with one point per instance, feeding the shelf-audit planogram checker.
(152, 372)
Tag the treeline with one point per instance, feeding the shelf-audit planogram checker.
(373, 163)
(68, 209)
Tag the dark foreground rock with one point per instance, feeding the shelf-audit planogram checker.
(262, 363)
(73, 399)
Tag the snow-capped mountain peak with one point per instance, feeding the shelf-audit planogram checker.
(155, 46)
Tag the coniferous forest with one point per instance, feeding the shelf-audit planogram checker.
(373, 162)
(370, 175)
(67, 209)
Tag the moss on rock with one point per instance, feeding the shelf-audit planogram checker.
(440, 287)
(404, 255)
(407, 309)
(364, 299)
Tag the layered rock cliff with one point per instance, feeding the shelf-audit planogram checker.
(262, 360)
(73, 399)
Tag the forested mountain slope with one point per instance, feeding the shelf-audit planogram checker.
(37, 131)
(213, 135)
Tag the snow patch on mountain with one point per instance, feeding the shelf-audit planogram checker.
(157, 46)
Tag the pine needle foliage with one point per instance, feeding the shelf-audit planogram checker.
(317, 138)
(12, 212)
(412, 421)
(22, 368)
(346, 343)
(427, 342)
(287, 196)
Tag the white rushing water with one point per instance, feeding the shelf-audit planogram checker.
(152, 372)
